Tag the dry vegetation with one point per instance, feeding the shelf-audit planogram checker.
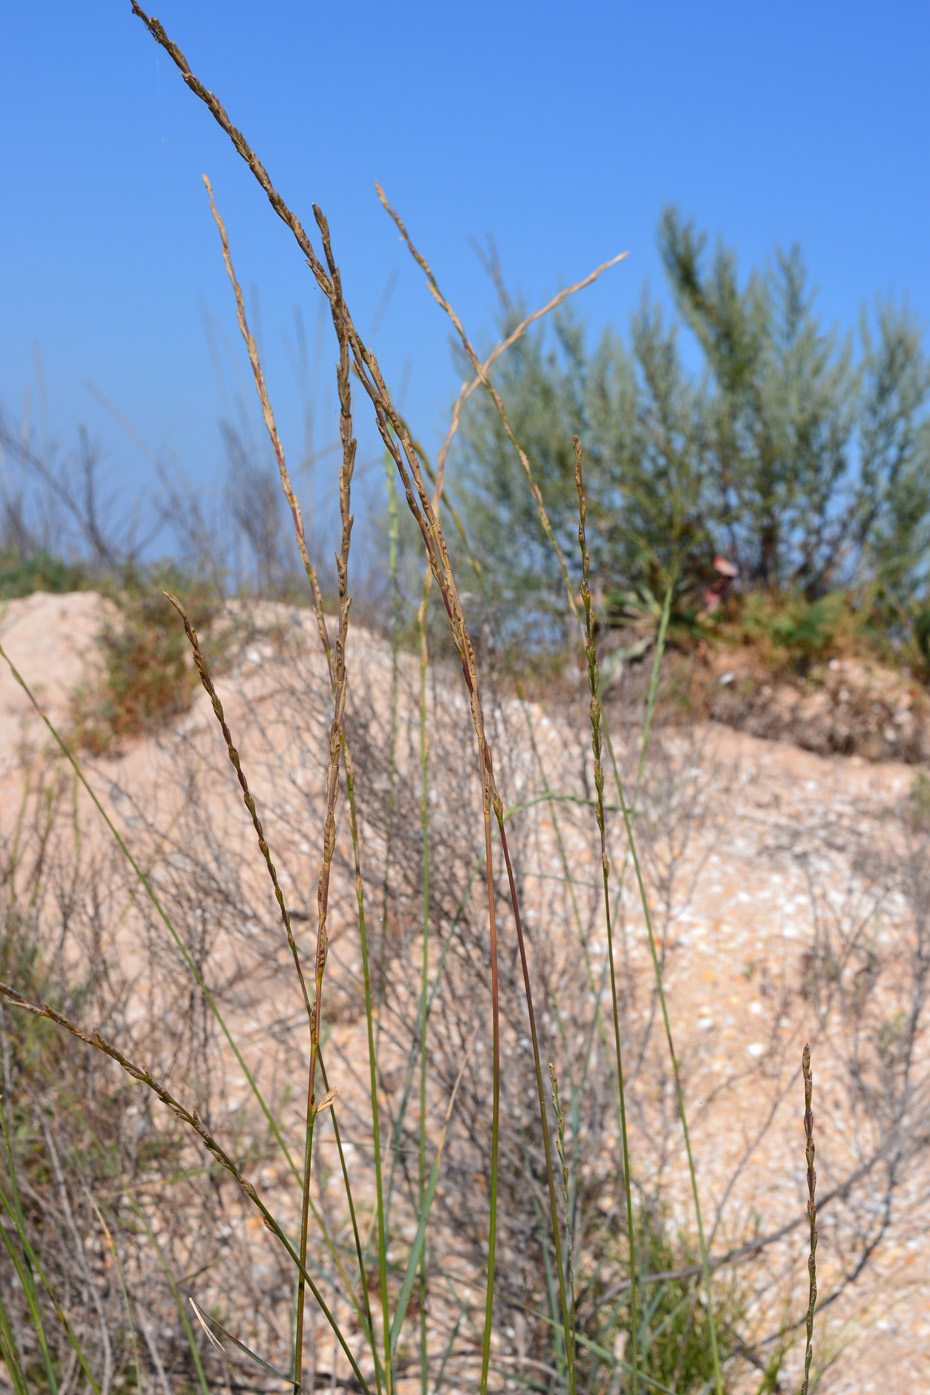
(400, 1076)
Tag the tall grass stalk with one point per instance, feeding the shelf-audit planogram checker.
(811, 1212)
(339, 749)
(424, 950)
(340, 690)
(596, 719)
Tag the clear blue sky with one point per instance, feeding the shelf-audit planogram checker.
(563, 130)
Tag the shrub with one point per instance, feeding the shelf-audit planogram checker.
(807, 470)
(145, 676)
(21, 575)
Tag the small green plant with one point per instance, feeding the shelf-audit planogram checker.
(673, 1332)
(22, 576)
(918, 812)
(56, 1156)
(793, 635)
(145, 676)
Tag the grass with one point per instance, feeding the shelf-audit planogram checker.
(500, 1069)
(670, 1331)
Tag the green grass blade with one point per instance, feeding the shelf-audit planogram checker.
(9, 1353)
(413, 1260)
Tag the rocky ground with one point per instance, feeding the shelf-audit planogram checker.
(787, 890)
(847, 706)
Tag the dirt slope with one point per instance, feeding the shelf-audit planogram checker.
(786, 892)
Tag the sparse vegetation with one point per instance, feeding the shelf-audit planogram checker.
(145, 675)
(393, 1103)
(23, 575)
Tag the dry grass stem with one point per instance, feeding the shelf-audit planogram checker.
(811, 1211)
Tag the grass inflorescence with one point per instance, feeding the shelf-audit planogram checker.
(471, 1176)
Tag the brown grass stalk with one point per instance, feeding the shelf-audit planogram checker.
(340, 688)
(397, 441)
(272, 429)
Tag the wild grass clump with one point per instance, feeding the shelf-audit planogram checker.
(411, 1091)
(78, 1143)
(107, 1202)
(673, 1324)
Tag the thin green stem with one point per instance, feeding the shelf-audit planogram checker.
(380, 1374)
(424, 958)
(811, 1212)
(393, 567)
(596, 714)
(121, 1279)
(495, 1093)
(679, 1094)
(567, 1315)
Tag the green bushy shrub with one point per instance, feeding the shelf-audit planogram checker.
(146, 676)
(21, 576)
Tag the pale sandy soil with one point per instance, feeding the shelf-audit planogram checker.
(756, 851)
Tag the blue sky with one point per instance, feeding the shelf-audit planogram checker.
(561, 130)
